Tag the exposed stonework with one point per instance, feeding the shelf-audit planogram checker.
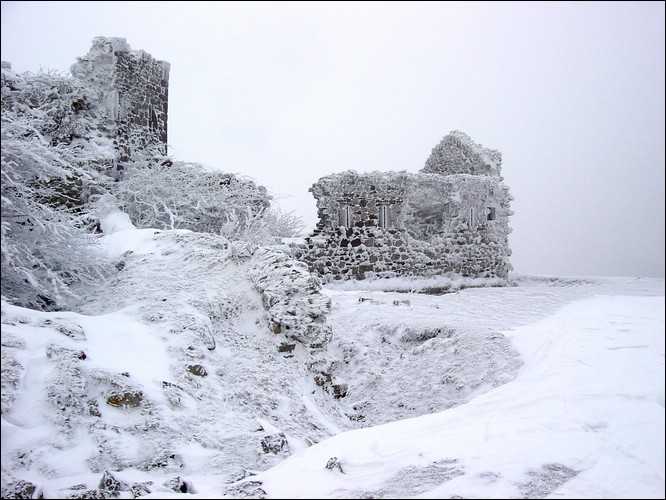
(456, 153)
(451, 219)
(133, 94)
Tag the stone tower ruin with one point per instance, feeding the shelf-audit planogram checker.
(133, 92)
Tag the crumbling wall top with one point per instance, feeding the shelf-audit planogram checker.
(104, 51)
(457, 153)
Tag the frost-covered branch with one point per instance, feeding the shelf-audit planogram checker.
(182, 195)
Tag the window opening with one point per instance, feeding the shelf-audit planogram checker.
(384, 216)
(345, 216)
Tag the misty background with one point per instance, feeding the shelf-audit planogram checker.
(571, 94)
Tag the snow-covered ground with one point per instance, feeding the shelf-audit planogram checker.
(584, 418)
(191, 373)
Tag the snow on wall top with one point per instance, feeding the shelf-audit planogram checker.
(111, 45)
(457, 153)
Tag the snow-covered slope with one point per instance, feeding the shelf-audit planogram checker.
(583, 419)
(222, 369)
(199, 358)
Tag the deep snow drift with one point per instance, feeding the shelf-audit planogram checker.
(223, 369)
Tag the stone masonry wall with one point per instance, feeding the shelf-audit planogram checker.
(133, 94)
(352, 240)
(435, 222)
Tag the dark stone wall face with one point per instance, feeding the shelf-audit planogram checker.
(133, 90)
(143, 84)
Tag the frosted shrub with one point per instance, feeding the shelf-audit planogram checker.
(47, 173)
(182, 195)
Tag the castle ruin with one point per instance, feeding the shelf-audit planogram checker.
(449, 219)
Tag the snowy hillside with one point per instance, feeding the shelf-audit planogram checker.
(216, 369)
(200, 358)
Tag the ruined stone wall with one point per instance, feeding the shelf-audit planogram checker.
(440, 221)
(458, 225)
(456, 153)
(133, 96)
(357, 232)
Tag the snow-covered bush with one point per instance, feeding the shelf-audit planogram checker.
(60, 173)
(52, 104)
(48, 172)
(182, 195)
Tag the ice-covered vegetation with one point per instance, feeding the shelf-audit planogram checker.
(181, 195)
(51, 163)
(60, 176)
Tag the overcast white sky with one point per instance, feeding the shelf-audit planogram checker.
(571, 93)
